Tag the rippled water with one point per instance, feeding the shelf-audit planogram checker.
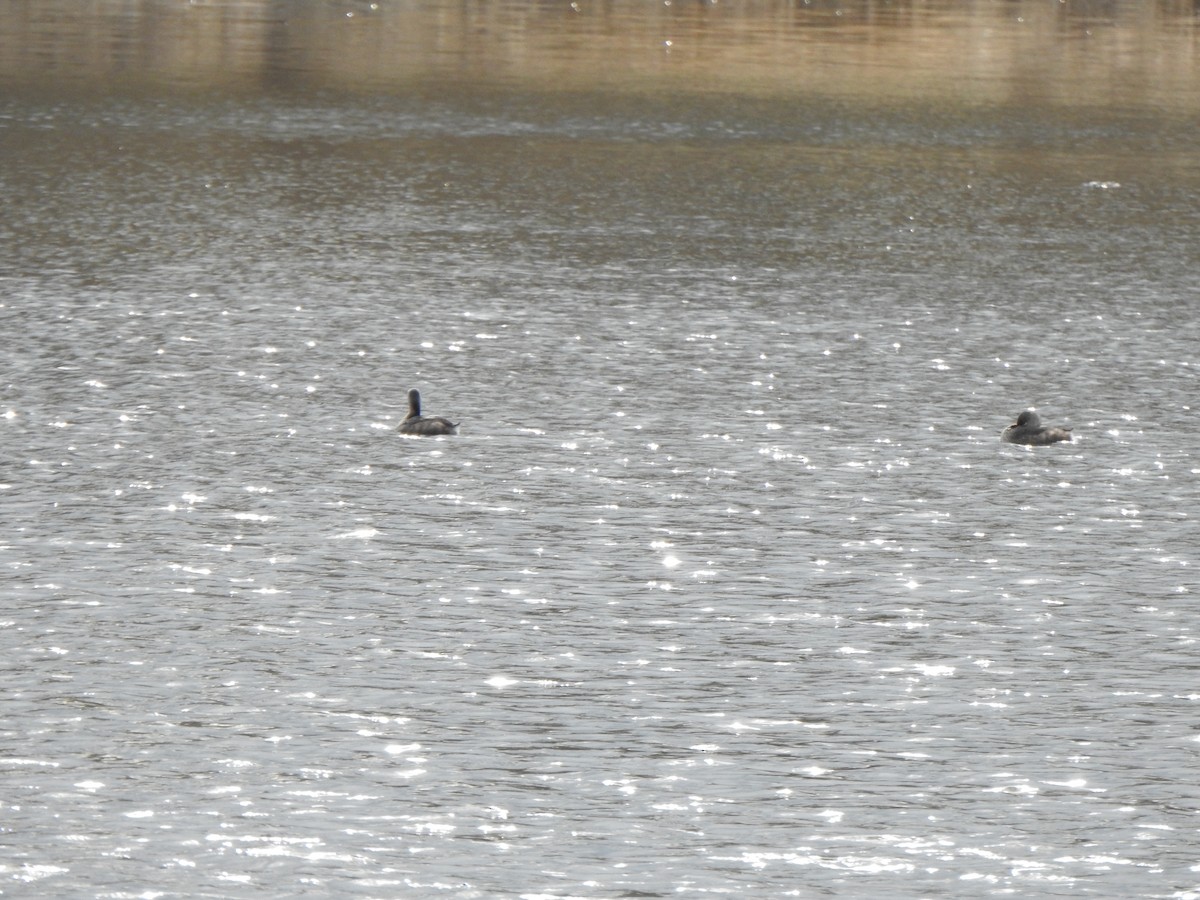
(727, 586)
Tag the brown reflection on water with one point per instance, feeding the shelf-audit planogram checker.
(1102, 53)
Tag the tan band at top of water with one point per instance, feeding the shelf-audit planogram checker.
(1104, 54)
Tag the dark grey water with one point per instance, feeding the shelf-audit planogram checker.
(727, 587)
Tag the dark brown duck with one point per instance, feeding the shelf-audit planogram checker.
(415, 423)
(1028, 429)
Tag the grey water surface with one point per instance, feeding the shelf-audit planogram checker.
(727, 587)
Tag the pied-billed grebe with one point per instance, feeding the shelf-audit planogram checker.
(415, 423)
(1028, 429)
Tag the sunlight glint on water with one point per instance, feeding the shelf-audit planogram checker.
(727, 585)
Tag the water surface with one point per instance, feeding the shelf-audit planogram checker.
(727, 586)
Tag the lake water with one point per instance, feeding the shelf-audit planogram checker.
(727, 587)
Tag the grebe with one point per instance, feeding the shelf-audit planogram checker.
(1028, 429)
(415, 423)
